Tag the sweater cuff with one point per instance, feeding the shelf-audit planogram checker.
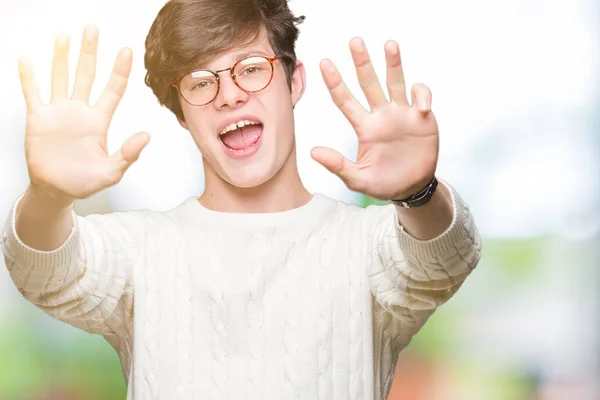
(459, 230)
(24, 255)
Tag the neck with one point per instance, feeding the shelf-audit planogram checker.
(284, 191)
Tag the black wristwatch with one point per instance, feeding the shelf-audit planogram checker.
(420, 198)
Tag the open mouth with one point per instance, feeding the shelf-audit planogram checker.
(241, 136)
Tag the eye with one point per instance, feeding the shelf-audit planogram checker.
(201, 85)
(250, 70)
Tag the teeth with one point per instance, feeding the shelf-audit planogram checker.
(240, 124)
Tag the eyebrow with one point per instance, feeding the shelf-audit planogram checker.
(248, 54)
(237, 58)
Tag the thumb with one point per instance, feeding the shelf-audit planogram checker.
(338, 165)
(128, 153)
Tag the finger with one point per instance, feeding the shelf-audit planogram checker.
(31, 92)
(367, 78)
(126, 155)
(421, 97)
(339, 165)
(395, 75)
(86, 68)
(60, 67)
(117, 84)
(341, 95)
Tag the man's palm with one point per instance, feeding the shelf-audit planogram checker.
(66, 140)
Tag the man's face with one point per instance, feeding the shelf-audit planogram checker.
(251, 155)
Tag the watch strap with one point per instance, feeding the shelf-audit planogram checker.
(420, 198)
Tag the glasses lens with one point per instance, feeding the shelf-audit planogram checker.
(199, 87)
(253, 73)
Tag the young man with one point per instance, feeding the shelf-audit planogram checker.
(256, 289)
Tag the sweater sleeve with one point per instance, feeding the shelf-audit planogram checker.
(88, 281)
(410, 278)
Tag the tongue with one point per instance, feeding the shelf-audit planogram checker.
(242, 138)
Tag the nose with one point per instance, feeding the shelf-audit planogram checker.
(230, 95)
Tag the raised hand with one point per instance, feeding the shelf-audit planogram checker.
(66, 140)
(398, 142)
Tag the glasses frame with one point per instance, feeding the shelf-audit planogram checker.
(176, 82)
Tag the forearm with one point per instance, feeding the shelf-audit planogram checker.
(78, 270)
(43, 221)
(82, 275)
(430, 220)
(410, 278)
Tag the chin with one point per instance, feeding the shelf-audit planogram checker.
(252, 176)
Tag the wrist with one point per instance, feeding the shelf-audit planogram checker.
(47, 199)
(418, 198)
(43, 219)
(431, 220)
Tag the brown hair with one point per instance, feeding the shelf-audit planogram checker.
(189, 33)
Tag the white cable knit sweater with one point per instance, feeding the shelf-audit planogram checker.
(311, 303)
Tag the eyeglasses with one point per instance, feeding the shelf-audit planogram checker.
(251, 74)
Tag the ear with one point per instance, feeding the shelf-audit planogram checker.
(183, 124)
(298, 82)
